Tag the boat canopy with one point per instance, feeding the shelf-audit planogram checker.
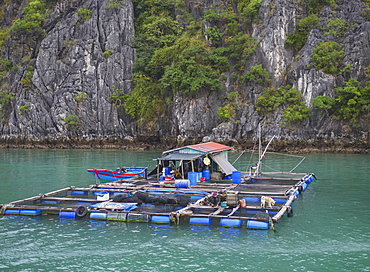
(223, 163)
(180, 157)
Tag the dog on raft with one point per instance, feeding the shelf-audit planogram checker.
(265, 199)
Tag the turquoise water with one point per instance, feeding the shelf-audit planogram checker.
(328, 232)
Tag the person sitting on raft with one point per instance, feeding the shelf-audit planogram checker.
(214, 199)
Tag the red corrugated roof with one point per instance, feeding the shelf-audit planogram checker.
(210, 147)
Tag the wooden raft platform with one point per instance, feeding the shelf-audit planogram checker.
(139, 200)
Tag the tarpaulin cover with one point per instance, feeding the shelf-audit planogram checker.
(223, 163)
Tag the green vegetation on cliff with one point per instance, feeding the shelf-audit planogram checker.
(177, 56)
(286, 99)
(350, 102)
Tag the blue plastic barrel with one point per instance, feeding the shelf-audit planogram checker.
(251, 224)
(167, 171)
(8, 211)
(98, 216)
(206, 174)
(182, 183)
(30, 212)
(193, 177)
(161, 219)
(236, 177)
(69, 214)
(200, 221)
(231, 223)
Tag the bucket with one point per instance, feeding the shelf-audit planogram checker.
(206, 175)
(193, 177)
(236, 177)
(182, 183)
(102, 196)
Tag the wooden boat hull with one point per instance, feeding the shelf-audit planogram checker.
(110, 175)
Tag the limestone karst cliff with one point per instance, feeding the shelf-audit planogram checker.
(59, 74)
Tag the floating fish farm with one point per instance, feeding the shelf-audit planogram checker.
(235, 203)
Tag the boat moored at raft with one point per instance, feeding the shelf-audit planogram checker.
(119, 173)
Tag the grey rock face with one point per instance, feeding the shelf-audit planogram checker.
(69, 62)
(72, 77)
